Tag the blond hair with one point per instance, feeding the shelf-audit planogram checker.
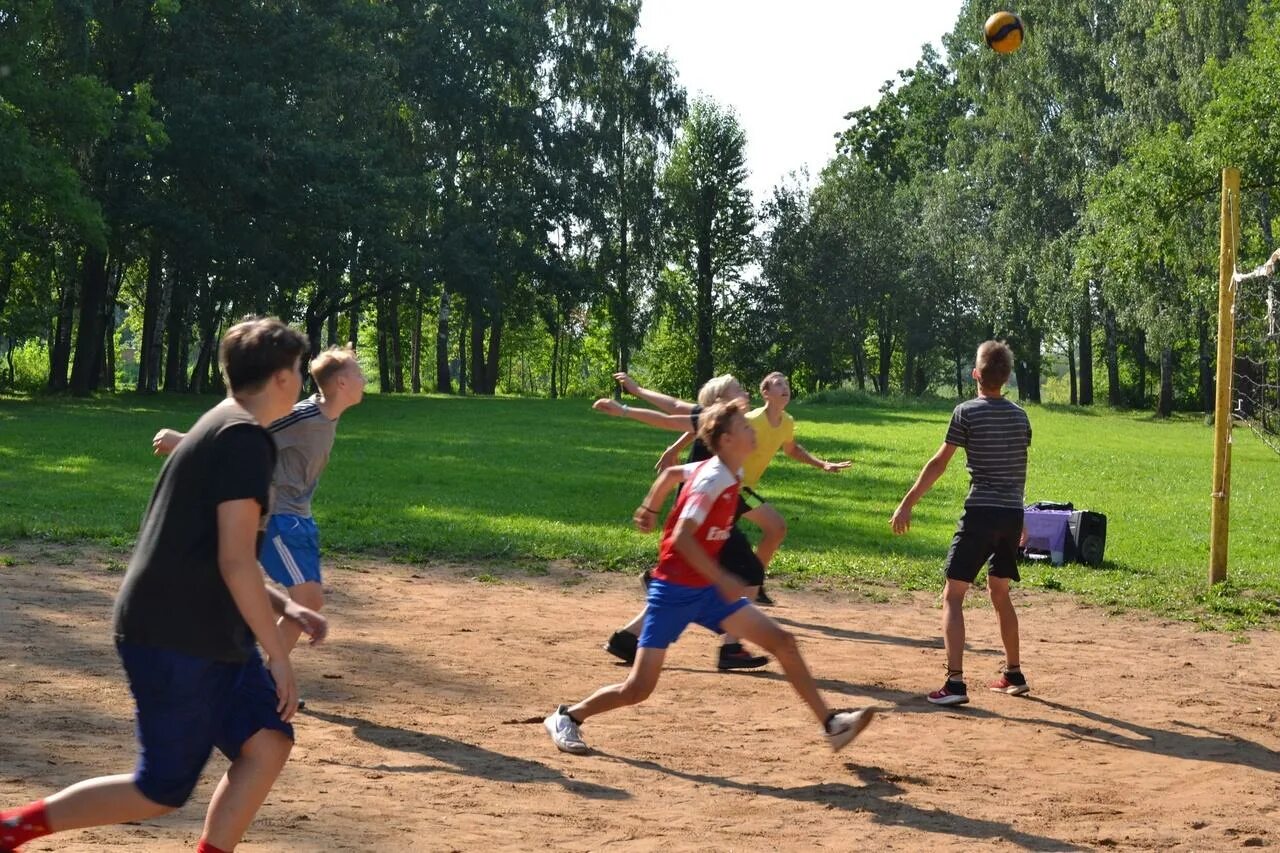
(994, 363)
(329, 363)
(716, 419)
(715, 389)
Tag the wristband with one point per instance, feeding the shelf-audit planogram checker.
(625, 408)
(646, 509)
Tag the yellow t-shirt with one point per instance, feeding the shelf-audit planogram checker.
(768, 439)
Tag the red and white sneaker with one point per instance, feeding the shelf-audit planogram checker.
(1013, 683)
(951, 693)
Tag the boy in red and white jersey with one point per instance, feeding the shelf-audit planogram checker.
(690, 586)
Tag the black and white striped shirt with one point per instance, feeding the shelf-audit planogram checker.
(995, 434)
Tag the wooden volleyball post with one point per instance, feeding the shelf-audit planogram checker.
(1221, 494)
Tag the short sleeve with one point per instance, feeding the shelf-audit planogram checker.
(243, 461)
(702, 495)
(957, 430)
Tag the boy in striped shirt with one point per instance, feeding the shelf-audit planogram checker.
(995, 434)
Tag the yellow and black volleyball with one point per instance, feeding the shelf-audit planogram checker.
(1004, 32)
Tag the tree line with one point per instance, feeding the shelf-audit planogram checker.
(517, 196)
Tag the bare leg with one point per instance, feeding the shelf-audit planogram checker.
(639, 684)
(953, 624)
(1008, 619)
(244, 787)
(100, 802)
(752, 625)
(309, 594)
(774, 528)
(749, 593)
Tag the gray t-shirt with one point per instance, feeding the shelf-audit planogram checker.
(995, 434)
(304, 438)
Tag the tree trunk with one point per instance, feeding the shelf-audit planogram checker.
(395, 343)
(885, 335)
(493, 361)
(353, 318)
(415, 344)
(6, 284)
(331, 329)
(444, 382)
(87, 366)
(176, 334)
(1115, 394)
(1205, 362)
(60, 349)
(1071, 368)
(148, 346)
(1164, 406)
(1086, 353)
(478, 384)
(704, 368)
(1140, 353)
(385, 385)
(462, 352)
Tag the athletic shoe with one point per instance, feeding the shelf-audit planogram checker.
(564, 732)
(763, 598)
(1013, 683)
(734, 656)
(622, 645)
(302, 704)
(844, 726)
(952, 693)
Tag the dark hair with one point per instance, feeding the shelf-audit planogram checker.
(994, 363)
(715, 420)
(254, 349)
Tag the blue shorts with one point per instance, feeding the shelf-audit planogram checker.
(291, 550)
(187, 705)
(673, 607)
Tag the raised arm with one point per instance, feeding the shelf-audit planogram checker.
(797, 452)
(671, 456)
(676, 423)
(664, 402)
(933, 469)
(1267, 270)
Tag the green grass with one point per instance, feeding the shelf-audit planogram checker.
(524, 481)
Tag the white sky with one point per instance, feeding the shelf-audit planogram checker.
(792, 69)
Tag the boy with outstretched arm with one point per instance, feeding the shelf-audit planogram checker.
(995, 433)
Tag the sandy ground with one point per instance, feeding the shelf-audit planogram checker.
(423, 728)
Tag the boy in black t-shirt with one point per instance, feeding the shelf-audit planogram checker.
(995, 434)
(190, 607)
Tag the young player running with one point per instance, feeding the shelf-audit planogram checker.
(690, 586)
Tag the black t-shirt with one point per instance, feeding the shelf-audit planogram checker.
(173, 595)
(699, 451)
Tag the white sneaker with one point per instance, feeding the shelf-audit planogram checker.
(847, 725)
(564, 732)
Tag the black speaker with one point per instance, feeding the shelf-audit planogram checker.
(1086, 537)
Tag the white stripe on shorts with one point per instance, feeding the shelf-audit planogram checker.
(290, 565)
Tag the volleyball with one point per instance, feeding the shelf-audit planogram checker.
(1003, 31)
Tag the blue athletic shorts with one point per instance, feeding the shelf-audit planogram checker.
(673, 607)
(186, 706)
(291, 550)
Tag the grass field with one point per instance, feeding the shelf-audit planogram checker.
(519, 481)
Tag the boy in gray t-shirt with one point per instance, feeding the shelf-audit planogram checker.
(995, 434)
(290, 551)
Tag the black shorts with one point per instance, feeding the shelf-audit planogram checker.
(739, 558)
(748, 500)
(985, 533)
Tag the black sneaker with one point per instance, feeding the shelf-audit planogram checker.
(763, 598)
(622, 645)
(734, 656)
(302, 703)
(951, 693)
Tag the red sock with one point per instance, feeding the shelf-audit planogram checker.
(18, 826)
(205, 847)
